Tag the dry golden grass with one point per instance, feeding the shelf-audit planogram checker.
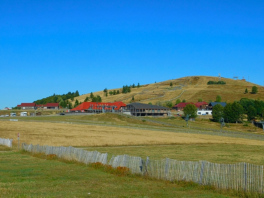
(192, 89)
(58, 134)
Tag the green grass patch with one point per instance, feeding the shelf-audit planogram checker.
(23, 175)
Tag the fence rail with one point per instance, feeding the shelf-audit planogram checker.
(6, 142)
(241, 176)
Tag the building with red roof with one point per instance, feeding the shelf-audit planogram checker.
(201, 105)
(27, 106)
(99, 107)
(181, 105)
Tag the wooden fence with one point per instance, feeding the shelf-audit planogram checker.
(241, 176)
(6, 142)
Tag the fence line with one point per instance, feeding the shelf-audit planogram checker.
(240, 176)
(6, 142)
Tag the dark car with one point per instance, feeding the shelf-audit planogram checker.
(62, 113)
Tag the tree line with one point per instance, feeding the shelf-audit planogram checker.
(239, 110)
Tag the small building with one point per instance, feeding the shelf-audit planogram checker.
(212, 104)
(51, 106)
(27, 106)
(23, 113)
(139, 109)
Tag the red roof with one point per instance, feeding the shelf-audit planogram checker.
(182, 104)
(51, 105)
(27, 105)
(198, 104)
(98, 105)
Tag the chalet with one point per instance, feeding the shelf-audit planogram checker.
(212, 104)
(139, 109)
(27, 106)
(99, 107)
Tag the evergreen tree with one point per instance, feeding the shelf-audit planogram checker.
(200, 100)
(246, 91)
(171, 84)
(76, 103)
(91, 95)
(86, 99)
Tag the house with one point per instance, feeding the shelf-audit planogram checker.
(99, 107)
(139, 109)
(201, 105)
(212, 104)
(27, 106)
(181, 105)
(204, 112)
(51, 106)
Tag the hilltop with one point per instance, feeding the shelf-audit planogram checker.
(189, 88)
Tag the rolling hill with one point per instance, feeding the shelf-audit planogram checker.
(189, 88)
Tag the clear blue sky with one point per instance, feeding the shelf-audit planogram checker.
(56, 46)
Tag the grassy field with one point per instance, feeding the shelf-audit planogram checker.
(22, 174)
(25, 176)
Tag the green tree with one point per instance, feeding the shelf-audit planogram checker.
(178, 101)
(254, 90)
(168, 104)
(86, 99)
(233, 112)
(171, 84)
(133, 99)
(150, 103)
(251, 113)
(117, 92)
(190, 109)
(97, 99)
(246, 91)
(218, 98)
(183, 100)
(200, 100)
(76, 103)
(91, 95)
(218, 112)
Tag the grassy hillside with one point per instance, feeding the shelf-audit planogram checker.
(189, 88)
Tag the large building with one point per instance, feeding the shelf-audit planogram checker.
(139, 109)
(99, 107)
(35, 106)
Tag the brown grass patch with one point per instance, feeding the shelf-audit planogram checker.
(57, 134)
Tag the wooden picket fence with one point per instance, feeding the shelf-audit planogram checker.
(240, 176)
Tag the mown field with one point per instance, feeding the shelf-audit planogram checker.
(24, 174)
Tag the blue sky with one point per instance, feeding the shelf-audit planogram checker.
(51, 46)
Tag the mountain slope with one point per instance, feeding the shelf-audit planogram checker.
(189, 88)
